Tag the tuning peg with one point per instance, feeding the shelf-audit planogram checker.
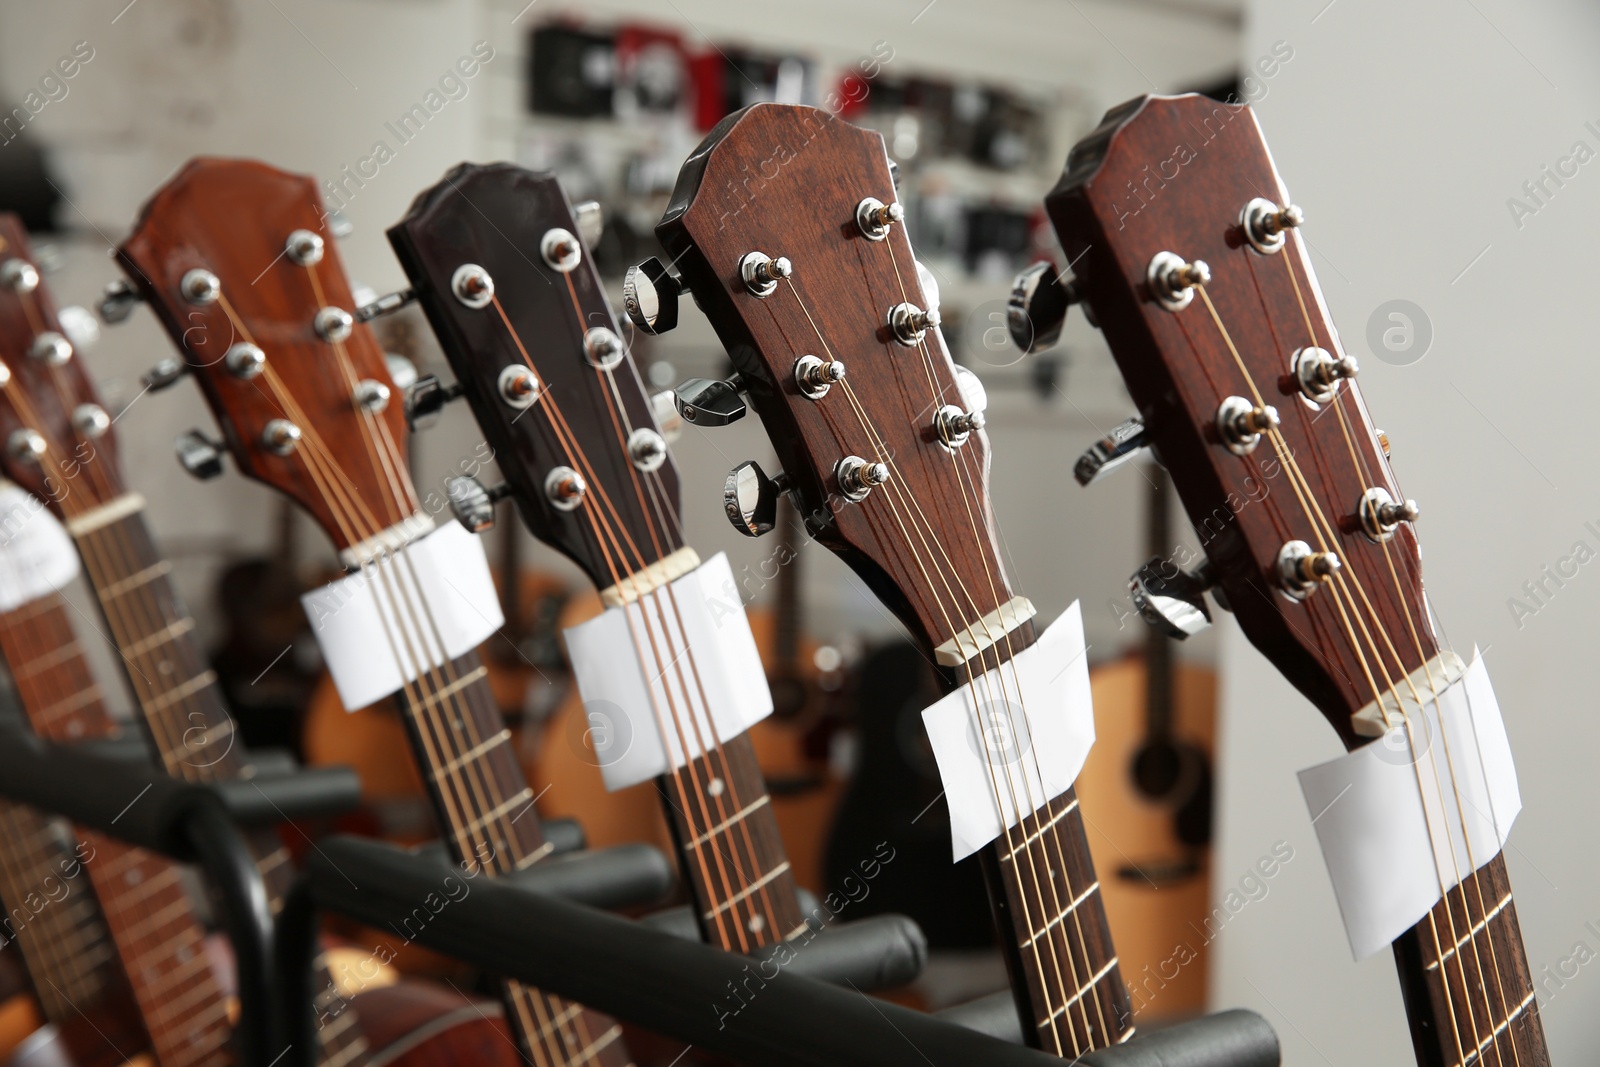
(591, 221)
(385, 305)
(198, 454)
(650, 292)
(1038, 307)
(1125, 441)
(664, 406)
(1172, 600)
(164, 374)
(426, 398)
(751, 498)
(118, 302)
(473, 503)
(710, 402)
(80, 326)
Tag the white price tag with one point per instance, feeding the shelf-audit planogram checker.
(36, 554)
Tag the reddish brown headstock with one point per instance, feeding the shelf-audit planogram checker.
(787, 181)
(1175, 174)
(47, 400)
(584, 408)
(233, 222)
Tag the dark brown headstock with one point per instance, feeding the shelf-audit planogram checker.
(1176, 174)
(787, 181)
(540, 359)
(55, 438)
(236, 220)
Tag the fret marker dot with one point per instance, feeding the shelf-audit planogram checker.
(714, 787)
(757, 924)
(135, 876)
(165, 666)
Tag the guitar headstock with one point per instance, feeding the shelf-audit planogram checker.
(55, 437)
(236, 259)
(786, 228)
(494, 256)
(1188, 251)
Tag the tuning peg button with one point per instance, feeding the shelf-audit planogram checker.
(591, 221)
(118, 302)
(198, 454)
(164, 374)
(650, 294)
(1037, 307)
(751, 498)
(1170, 599)
(709, 402)
(1125, 442)
(426, 398)
(473, 503)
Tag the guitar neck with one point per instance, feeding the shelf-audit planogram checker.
(1051, 916)
(150, 918)
(1480, 1003)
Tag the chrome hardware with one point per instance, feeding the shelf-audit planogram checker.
(304, 248)
(280, 436)
(650, 294)
(472, 285)
(709, 402)
(1301, 571)
(1265, 224)
(371, 396)
(664, 406)
(244, 360)
(385, 305)
(199, 455)
(402, 372)
(561, 250)
(591, 221)
(647, 448)
(19, 275)
(761, 273)
(565, 488)
(1170, 599)
(51, 348)
(1319, 373)
(603, 347)
(874, 217)
(333, 324)
(471, 503)
(750, 498)
(1240, 424)
(5, 374)
(1037, 307)
(1381, 516)
(117, 302)
(200, 287)
(26, 444)
(80, 327)
(953, 426)
(910, 323)
(929, 284)
(1125, 442)
(973, 395)
(857, 477)
(1173, 280)
(518, 386)
(90, 420)
(426, 398)
(1383, 442)
(814, 377)
(164, 374)
(339, 224)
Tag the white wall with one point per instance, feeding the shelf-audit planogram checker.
(1402, 129)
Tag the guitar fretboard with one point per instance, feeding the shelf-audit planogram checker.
(1464, 972)
(180, 702)
(150, 916)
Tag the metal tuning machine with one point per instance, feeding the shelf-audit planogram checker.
(1037, 307)
(1173, 600)
(473, 503)
(751, 498)
(198, 454)
(426, 398)
(650, 292)
(118, 302)
(1126, 441)
(710, 401)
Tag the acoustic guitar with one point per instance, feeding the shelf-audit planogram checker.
(1204, 290)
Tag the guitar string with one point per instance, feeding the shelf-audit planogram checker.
(1339, 587)
(893, 496)
(621, 573)
(624, 429)
(346, 506)
(971, 497)
(1359, 460)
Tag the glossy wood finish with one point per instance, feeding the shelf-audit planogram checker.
(786, 180)
(496, 216)
(350, 472)
(1174, 174)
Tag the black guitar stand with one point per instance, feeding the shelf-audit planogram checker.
(766, 1011)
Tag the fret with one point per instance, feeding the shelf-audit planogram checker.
(182, 1005)
(726, 824)
(753, 887)
(444, 693)
(562, 1018)
(183, 691)
(500, 811)
(77, 702)
(103, 515)
(49, 661)
(123, 586)
(535, 856)
(594, 1047)
(168, 915)
(1079, 995)
(170, 632)
(1477, 928)
(472, 755)
(1045, 828)
(1055, 919)
(1499, 1030)
(348, 1054)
